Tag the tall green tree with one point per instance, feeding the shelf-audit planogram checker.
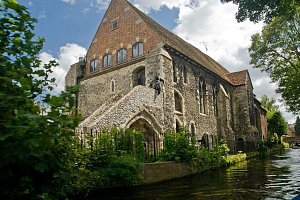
(277, 51)
(277, 124)
(297, 126)
(264, 10)
(269, 103)
(36, 147)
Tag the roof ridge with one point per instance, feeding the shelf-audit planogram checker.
(244, 70)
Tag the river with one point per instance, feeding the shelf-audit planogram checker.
(275, 178)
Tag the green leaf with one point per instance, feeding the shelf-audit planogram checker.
(41, 167)
(4, 136)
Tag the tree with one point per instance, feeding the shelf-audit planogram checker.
(269, 103)
(264, 10)
(36, 150)
(277, 124)
(297, 126)
(277, 51)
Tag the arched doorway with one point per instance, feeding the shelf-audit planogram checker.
(152, 141)
(139, 77)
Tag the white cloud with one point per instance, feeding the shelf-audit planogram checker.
(42, 15)
(100, 4)
(69, 1)
(68, 54)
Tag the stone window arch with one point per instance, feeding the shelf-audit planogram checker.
(139, 77)
(107, 61)
(138, 49)
(202, 96)
(178, 102)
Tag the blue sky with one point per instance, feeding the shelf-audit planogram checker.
(68, 27)
(60, 23)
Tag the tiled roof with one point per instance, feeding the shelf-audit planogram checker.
(177, 43)
(238, 78)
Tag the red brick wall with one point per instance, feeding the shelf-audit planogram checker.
(130, 30)
(264, 126)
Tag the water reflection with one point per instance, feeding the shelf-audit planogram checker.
(277, 178)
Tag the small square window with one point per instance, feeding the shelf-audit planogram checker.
(114, 24)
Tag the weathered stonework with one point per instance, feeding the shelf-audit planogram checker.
(196, 92)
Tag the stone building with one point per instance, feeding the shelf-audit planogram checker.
(131, 52)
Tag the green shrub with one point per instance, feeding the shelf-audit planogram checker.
(179, 146)
(223, 147)
(210, 159)
(121, 171)
(114, 161)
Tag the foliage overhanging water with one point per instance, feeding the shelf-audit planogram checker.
(276, 178)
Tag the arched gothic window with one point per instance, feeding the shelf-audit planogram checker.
(202, 96)
(184, 74)
(139, 77)
(174, 72)
(178, 102)
(215, 99)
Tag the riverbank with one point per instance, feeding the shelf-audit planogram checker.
(276, 177)
(163, 171)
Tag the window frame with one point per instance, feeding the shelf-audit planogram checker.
(178, 100)
(215, 99)
(106, 64)
(121, 53)
(202, 96)
(140, 49)
(175, 78)
(184, 74)
(114, 21)
(94, 65)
